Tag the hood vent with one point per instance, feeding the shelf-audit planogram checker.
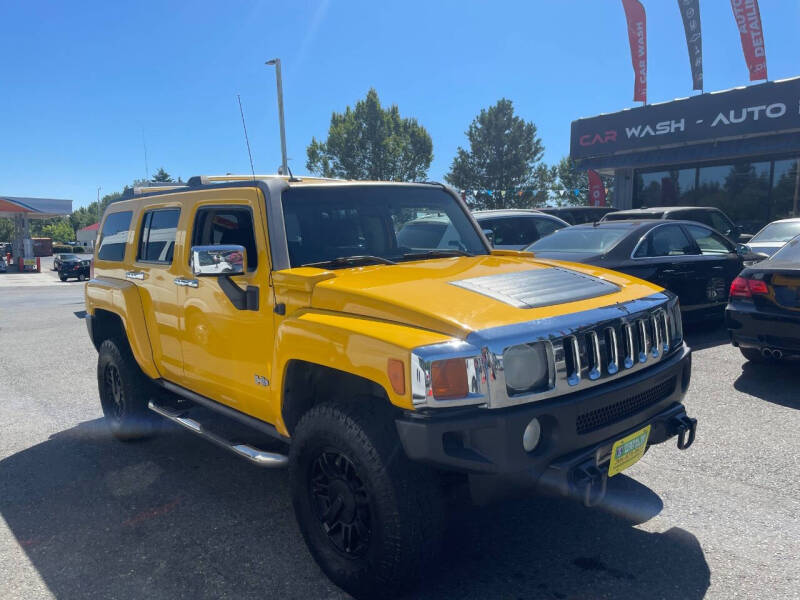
(538, 287)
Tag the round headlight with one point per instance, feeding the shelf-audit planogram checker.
(525, 366)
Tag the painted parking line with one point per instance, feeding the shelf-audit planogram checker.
(13, 280)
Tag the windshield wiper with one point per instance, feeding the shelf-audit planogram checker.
(435, 254)
(350, 261)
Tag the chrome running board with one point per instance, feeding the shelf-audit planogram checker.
(254, 455)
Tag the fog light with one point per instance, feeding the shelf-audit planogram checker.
(532, 435)
(525, 367)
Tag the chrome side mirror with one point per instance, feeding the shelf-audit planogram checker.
(218, 260)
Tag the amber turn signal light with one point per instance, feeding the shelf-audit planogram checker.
(449, 379)
(397, 375)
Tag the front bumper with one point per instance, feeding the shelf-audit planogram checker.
(578, 430)
(751, 328)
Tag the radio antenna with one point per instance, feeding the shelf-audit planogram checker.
(246, 139)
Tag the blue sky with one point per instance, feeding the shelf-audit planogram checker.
(81, 81)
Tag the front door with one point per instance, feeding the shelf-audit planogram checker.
(227, 351)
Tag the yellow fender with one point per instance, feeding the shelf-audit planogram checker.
(122, 298)
(355, 345)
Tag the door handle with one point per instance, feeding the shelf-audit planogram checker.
(192, 283)
(138, 275)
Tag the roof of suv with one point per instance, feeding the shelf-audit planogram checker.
(508, 212)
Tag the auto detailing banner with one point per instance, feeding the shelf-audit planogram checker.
(690, 12)
(597, 191)
(748, 20)
(637, 37)
(772, 107)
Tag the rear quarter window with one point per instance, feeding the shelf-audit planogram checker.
(114, 236)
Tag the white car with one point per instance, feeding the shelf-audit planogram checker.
(774, 236)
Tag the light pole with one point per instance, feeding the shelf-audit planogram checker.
(279, 82)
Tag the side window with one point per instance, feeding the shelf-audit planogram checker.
(221, 225)
(666, 240)
(721, 224)
(157, 239)
(513, 231)
(114, 236)
(547, 226)
(710, 242)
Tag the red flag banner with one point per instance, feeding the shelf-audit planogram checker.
(637, 36)
(748, 20)
(597, 191)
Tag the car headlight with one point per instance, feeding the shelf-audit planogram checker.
(526, 367)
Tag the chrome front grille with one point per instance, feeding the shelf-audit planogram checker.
(595, 353)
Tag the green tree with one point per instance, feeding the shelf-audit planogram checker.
(162, 176)
(368, 142)
(59, 230)
(6, 229)
(571, 178)
(503, 163)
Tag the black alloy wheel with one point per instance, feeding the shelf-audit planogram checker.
(341, 502)
(113, 385)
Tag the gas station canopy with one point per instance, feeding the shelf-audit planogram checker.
(34, 208)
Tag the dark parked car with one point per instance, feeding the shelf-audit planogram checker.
(77, 268)
(576, 215)
(763, 315)
(773, 236)
(3, 266)
(691, 260)
(515, 229)
(707, 215)
(59, 259)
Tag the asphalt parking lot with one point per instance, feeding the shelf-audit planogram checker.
(84, 516)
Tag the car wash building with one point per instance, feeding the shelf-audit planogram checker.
(737, 150)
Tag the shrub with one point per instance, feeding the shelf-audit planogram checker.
(61, 249)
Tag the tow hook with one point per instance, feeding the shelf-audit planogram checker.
(591, 483)
(684, 427)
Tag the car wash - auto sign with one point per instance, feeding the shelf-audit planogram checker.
(757, 110)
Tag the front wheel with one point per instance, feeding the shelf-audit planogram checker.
(372, 520)
(81, 277)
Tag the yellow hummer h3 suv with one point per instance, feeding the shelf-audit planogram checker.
(373, 331)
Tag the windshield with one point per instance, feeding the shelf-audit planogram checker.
(778, 232)
(594, 240)
(390, 222)
(68, 257)
(789, 253)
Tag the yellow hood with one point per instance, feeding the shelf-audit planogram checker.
(429, 294)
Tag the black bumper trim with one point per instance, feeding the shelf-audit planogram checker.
(483, 441)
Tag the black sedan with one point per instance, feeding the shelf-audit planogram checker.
(763, 315)
(689, 259)
(77, 268)
(61, 259)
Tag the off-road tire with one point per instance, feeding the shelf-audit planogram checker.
(124, 392)
(754, 355)
(404, 499)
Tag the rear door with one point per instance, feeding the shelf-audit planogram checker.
(716, 267)
(666, 256)
(153, 272)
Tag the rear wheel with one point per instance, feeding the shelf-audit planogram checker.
(372, 519)
(81, 277)
(124, 392)
(754, 355)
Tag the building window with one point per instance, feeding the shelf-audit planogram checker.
(665, 188)
(784, 184)
(740, 190)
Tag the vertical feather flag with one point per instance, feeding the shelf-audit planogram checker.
(637, 36)
(748, 20)
(597, 191)
(690, 12)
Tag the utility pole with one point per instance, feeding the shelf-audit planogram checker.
(98, 195)
(279, 82)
